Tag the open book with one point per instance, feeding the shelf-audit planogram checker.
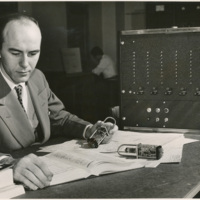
(7, 187)
(79, 164)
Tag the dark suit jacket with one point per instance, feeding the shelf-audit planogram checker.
(15, 129)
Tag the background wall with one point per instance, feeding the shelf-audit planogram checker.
(109, 28)
(105, 19)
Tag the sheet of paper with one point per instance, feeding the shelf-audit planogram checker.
(129, 137)
(120, 137)
(173, 150)
(172, 144)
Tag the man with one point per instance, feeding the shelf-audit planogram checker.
(30, 113)
(105, 65)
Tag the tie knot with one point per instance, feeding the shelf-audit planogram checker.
(19, 89)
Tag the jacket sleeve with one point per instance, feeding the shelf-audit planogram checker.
(63, 122)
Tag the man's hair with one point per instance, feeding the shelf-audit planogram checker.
(4, 20)
(96, 51)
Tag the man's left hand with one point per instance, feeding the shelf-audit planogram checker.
(109, 126)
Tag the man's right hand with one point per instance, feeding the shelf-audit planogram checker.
(32, 172)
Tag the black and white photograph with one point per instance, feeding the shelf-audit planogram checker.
(99, 99)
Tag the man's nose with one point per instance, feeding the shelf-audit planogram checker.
(24, 61)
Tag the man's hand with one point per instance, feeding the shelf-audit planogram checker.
(109, 126)
(32, 172)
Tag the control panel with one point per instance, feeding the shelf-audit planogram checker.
(160, 78)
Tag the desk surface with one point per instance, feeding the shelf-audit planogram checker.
(165, 181)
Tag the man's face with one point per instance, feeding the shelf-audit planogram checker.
(20, 50)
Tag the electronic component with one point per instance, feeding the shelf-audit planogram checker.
(144, 151)
(100, 134)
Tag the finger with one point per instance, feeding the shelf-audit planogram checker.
(26, 182)
(96, 126)
(41, 165)
(37, 176)
(31, 177)
(114, 129)
(44, 168)
(99, 123)
(109, 126)
(29, 168)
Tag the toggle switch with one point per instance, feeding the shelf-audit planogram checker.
(140, 91)
(197, 93)
(168, 91)
(154, 91)
(183, 91)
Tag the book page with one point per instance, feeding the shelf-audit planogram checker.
(62, 171)
(93, 162)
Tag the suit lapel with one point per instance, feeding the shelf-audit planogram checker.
(39, 106)
(14, 116)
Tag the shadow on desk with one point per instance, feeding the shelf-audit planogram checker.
(197, 196)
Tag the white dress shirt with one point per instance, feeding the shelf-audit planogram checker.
(12, 85)
(106, 67)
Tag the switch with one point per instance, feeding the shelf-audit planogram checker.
(141, 91)
(183, 91)
(197, 93)
(154, 91)
(168, 91)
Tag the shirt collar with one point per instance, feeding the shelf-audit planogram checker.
(8, 80)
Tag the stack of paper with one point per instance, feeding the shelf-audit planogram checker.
(7, 187)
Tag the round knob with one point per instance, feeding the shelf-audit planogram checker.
(157, 110)
(148, 110)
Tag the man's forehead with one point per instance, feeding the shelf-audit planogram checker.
(15, 26)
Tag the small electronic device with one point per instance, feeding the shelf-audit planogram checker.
(100, 134)
(145, 151)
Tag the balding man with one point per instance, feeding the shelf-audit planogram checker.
(30, 113)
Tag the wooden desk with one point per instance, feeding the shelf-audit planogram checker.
(165, 181)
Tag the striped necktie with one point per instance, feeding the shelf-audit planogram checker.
(19, 95)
